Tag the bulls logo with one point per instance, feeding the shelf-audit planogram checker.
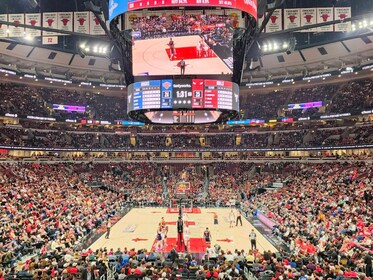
(308, 18)
(96, 21)
(342, 16)
(16, 22)
(50, 21)
(65, 21)
(292, 18)
(81, 21)
(274, 19)
(324, 17)
(33, 22)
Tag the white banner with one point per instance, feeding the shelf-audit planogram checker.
(260, 22)
(3, 27)
(291, 18)
(65, 21)
(34, 20)
(275, 22)
(342, 13)
(94, 26)
(50, 40)
(16, 31)
(308, 17)
(81, 22)
(325, 15)
(49, 21)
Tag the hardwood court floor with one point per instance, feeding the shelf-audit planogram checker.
(150, 56)
(138, 230)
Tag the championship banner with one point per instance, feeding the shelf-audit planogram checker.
(325, 15)
(65, 21)
(275, 22)
(16, 31)
(260, 22)
(291, 18)
(81, 22)
(49, 21)
(94, 26)
(3, 27)
(49, 40)
(342, 13)
(308, 17)
(34, 20)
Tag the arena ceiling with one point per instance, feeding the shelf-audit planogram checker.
(341, 50)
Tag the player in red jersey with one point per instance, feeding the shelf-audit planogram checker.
(171, 44)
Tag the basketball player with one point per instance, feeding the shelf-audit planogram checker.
(199, 48)
(232, 218)
(171, 44)
(158, 245)
(207, 235)
(205, 49)
(186, 236)
(185, 217)
(164, 236)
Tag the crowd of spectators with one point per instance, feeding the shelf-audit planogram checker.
(38, 102)
(355, 135)
(353, 97)
(323, 214)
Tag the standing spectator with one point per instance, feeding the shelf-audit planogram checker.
(368, 265)
(108, 227)
(253, 239)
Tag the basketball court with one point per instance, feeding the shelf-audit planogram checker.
(151, 57)
(138, 230)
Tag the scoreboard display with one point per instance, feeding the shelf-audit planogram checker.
(183, 101)
(183, 94)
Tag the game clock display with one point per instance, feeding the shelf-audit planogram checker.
(183, 94)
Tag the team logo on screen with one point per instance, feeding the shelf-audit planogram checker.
(166, 85)
(112, 6)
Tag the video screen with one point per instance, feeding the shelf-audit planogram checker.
(188, 44)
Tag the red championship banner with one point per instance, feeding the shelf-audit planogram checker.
(50, 21)
(275, 22)
(308, 17)
(34, 20)
(94, 26)
(65, 21)
(342, 13)
(16, 31)
(325, 15)
(50, 40)
(291, 18)
(3, 27)
(81, 22)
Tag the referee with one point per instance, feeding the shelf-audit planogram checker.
(252, 236)
(238, 219)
